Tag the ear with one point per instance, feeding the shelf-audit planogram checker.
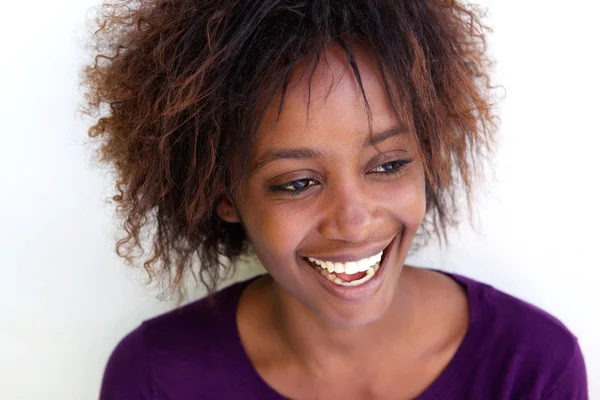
(227, 211)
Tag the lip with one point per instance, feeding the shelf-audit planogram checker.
(349, 257)
(356, 293)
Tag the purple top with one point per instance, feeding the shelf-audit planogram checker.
(512, 350)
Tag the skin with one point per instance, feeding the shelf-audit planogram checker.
(390, 341)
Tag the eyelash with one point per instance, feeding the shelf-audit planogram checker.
(398, 166)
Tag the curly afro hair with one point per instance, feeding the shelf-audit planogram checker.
(177, 90)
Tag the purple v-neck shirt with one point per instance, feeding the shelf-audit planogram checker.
(512, 350)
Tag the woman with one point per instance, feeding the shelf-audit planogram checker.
(327, 138)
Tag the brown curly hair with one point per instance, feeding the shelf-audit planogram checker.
(178, 87)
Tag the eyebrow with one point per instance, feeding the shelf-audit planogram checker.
(308, 153)
(385, 135)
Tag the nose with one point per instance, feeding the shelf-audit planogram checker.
(351, 213)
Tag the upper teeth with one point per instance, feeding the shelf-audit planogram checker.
(349, 268)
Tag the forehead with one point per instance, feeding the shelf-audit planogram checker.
(323, 104)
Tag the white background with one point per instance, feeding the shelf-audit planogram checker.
(65, 299)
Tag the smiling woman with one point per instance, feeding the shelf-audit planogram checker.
(327, 184)
(326, 138)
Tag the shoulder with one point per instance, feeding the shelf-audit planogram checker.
(173, 350)
(127, 372)
(527, 346)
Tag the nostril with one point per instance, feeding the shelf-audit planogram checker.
(352, 227)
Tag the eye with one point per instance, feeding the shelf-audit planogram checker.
(294, 187)
(391, 167)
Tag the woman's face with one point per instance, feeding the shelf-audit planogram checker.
(323, 188)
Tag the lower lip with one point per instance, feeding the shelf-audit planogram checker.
(362, 291)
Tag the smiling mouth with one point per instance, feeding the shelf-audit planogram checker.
(347, 274)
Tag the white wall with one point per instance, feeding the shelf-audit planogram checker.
(65, 299)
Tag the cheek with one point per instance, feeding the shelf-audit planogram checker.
(415, 203)
(406, 201)
(274, 231)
